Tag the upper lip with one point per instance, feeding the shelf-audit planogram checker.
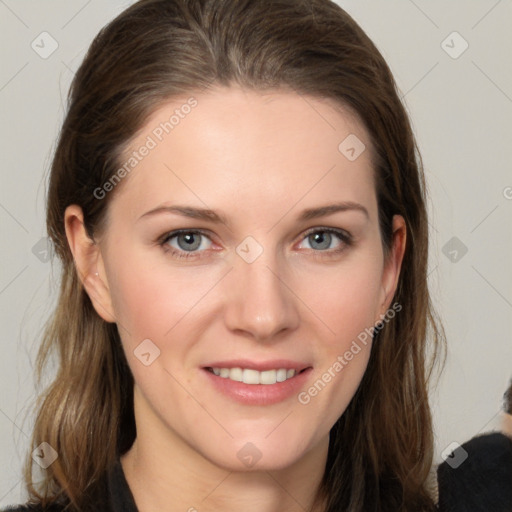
(261, 366)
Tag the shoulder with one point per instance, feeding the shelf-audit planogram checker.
(477, 475)
(110, 493)
(491, 451)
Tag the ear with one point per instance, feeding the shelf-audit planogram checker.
(88, 263)
(392, 266)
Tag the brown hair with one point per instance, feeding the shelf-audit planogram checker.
(380, 451)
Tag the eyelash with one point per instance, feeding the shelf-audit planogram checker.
(345, 237)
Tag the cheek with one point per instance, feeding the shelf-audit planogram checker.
(347, 304)
(157, 305)
(346, 299)
(154, 301)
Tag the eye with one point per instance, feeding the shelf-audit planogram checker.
(192, 243)
(182, 242)
(323, 239)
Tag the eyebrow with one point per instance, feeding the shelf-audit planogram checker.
(216, 217)
(321, 211)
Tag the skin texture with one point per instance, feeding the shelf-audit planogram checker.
(260, 159)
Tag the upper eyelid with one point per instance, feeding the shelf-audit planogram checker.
(344, 236)
(176, 232)
(338, 231)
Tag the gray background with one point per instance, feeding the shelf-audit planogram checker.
(461, 108)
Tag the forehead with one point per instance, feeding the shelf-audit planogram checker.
(235, 147)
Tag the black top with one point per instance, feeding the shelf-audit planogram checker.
(482, 482)
(112, 494)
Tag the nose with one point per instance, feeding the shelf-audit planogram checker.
(260, 303)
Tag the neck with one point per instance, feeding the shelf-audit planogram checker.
(165, 473)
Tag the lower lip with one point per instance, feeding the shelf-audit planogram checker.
(258, 394)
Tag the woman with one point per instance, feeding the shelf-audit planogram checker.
(211, 355)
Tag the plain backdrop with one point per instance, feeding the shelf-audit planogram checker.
(458, 90)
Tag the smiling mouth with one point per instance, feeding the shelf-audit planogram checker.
(250, 376)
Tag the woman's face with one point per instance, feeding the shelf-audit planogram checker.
(278, 269)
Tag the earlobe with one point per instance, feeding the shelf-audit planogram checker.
(88, 263)
(393, 266)
(99, 294)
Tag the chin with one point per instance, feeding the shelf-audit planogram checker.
(258, 453)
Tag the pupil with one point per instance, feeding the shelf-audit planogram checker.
(323, 239)
(187, 241)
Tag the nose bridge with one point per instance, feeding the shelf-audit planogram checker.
(259, 300)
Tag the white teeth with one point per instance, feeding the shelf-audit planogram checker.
(281, 375)
(236, 374)
(268, 377)
(249, 376)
